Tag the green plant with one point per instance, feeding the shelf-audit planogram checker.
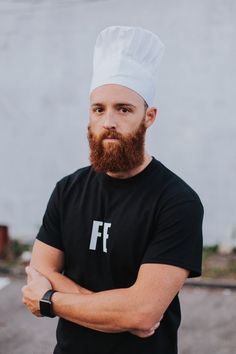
(209, 251)
(17, 247)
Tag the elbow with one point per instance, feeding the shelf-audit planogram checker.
(146, 324)
(143, 321)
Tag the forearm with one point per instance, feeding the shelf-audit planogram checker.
(109, 311)
(62, 283)
(64, 309)
(69, 307)
(59, 281)
(50, 262)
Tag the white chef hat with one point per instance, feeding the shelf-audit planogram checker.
(128, 56)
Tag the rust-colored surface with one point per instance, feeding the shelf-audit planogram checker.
(4, 239)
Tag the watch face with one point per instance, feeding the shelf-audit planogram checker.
(45, 307)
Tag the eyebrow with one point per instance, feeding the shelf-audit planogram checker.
(121, 104)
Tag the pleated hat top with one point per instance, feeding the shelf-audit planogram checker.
(128, 56)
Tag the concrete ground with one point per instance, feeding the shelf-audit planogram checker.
(20, 332)
(208, 324)
(209, 321)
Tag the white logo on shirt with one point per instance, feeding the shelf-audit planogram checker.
(96, 233)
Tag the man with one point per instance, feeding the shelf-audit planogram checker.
(119, 237)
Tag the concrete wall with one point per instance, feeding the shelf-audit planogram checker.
(45, 70)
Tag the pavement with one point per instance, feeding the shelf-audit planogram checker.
(208, 322)
(20, 332)
(211, 283)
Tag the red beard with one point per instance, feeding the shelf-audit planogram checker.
(121, 156)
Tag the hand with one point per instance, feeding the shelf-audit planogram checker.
(145, 334)
(148, 333)
(34, 290)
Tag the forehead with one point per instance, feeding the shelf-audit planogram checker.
(113, 93)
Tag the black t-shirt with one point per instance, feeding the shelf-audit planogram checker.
(107, 228)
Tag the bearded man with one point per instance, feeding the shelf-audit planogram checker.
(119, 237)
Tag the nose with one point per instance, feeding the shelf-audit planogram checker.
(109, 120)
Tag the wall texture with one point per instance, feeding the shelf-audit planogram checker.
(45, 70)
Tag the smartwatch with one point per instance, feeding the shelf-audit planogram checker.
(45, 304)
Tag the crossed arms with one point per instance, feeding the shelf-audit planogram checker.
(137, 309)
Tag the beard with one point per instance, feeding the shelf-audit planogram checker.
(123, 155)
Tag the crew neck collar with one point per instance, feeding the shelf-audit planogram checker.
(129, 180)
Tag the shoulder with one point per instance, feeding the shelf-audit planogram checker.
(74, 179)
(173, 187)
(78, 174)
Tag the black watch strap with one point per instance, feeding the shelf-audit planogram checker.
(46, 304)
(48, 295)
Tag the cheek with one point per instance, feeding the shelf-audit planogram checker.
(95, 128)
(95, 124)
(131, 126)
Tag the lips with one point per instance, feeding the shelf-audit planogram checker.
(110, 138)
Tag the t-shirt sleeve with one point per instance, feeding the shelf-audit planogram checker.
(50, 230)
(177, 237)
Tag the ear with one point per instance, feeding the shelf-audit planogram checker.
(150, 116)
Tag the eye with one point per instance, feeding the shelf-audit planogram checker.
(124, 110)
(98, 110)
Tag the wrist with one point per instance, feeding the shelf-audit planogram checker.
(45, 304)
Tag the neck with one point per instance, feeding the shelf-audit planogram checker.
(147, 159)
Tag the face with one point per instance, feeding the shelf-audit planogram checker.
(116, 131)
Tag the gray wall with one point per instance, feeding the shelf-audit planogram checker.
(45, 70)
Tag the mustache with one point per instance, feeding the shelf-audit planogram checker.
(108, 134)
(123, 156)
(112, 134)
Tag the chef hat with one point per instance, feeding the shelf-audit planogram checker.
(128, 56)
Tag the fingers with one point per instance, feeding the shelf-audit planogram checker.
(31, 273)
(143, 334)
(156, 326)
(37, 314)
(148, 333)
(27, 301)
(29, 276)
(23, 290)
